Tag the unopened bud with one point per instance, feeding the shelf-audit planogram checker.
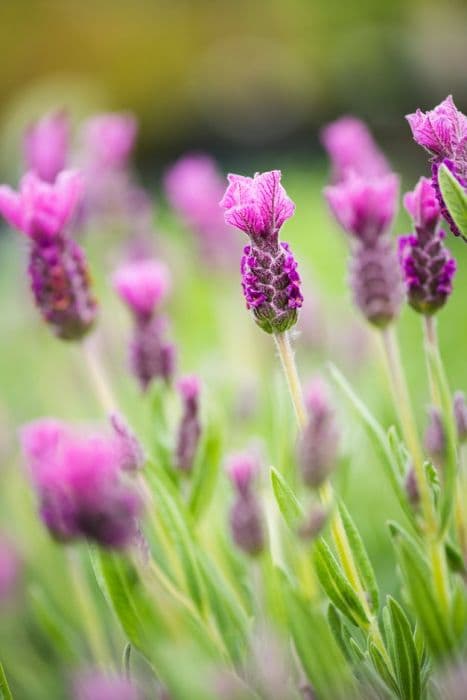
(314, 524)
(460, 415)
(411, 487)
(435, 438)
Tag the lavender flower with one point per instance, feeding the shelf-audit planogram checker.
(411, 487)
(78, 480)
(365, 208)
(318, 443)
(352, 149)
(189, 430)
(142, 285)
(443, 133)
(58, 270)
(246, 517)
(315, 522)
(435, 437)
(46, 145)
(259, 206)
(94, 685)
(460, 415)
(109, 140)
(427, 266)
(131, 453)
(194, 186)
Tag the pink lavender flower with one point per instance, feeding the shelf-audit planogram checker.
(189, 429)
(10, 567)
(142, 285)
(94, 685)
(427, 266)
(246, 516)
(365, 208)
(109, 140)
(78, 480)
(318, 443)
(352, 149)
(442, 131)
(259, 206)
(58, 269)
(46, 145)
(193, 187)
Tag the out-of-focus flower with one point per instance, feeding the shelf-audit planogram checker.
(142, 285)
(189, 429)
(78, 480)
(246, 516)
(352, 149)
(460, 415)
(109, 140)
(435, 437)
(94, 685)
(315, 522)
(365, 208)
(46, 145)
(411, 487)
(442, 131)
(452, 682)
(58, 269)
(10, 569)
(319, 441)
(193, 187)
(259, 206)
(131, 453)
(427, 266)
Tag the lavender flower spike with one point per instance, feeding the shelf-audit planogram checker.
(189, 431)
(46, 145)
(427, 266)
(442, 131)
(58, 270)
(259, 206)
(246, 517)
(365, 208)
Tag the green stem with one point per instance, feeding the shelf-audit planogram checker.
(88, 613)
(326, 492)
(5, 692)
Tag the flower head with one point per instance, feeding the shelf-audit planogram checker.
(41, 209)
(242, 469)
(79, 485)
(109, 140)
(422, 205)
(352, 149)
(460, 415)
(46, 144)
(246, 516)
(364, 207)
(142, 284)
(189, 429)
(442, 130)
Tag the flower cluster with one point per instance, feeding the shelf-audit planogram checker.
(58, 270)
(442, 131)
(427, 266)
(80, 486)
(246, 518)
(142, 285)
(259, 206)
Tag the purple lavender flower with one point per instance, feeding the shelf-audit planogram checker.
(435, 437)
(58, 270)
(352, 149)
(109, 140)
(319, 441)
(259, 206)
(443, 133)
(142, 285)
(189, 430)
(246, 516)
(10, 567)
(78, 480)
(131, 453)
(427, 266)
(46, 145)
(365, 208)
(460, 415)
(93, 685)
(194, 186)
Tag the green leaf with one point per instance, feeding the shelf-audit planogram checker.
(454, 558)
(5, 692)
(321, 657)
(382, 668)
(206, 471)
(53, 625)
(170, 509)
(336, 585)
(417, 580)
(378, 439)
(362, 561)
(404, 653)
(288, 503)
(454, 197)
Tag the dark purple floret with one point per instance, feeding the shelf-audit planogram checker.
(246, 524)
(148, 351)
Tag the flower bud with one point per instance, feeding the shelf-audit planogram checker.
(246, 516)
(130, 450)
(189, 430)
(314, 524)
(411, 487)
(46, 145)
(435, 437)
(460, 415)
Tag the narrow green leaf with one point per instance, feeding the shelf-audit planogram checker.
(404, 659)
(336, 626)
(5, 692)
(378, 439)
(288, 503)
(382, 668)
(206, 471)
(454, 558)
(360, 555)
(53, 625)
(336, 585)
(454, 197)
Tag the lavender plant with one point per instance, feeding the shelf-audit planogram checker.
(250, 582)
